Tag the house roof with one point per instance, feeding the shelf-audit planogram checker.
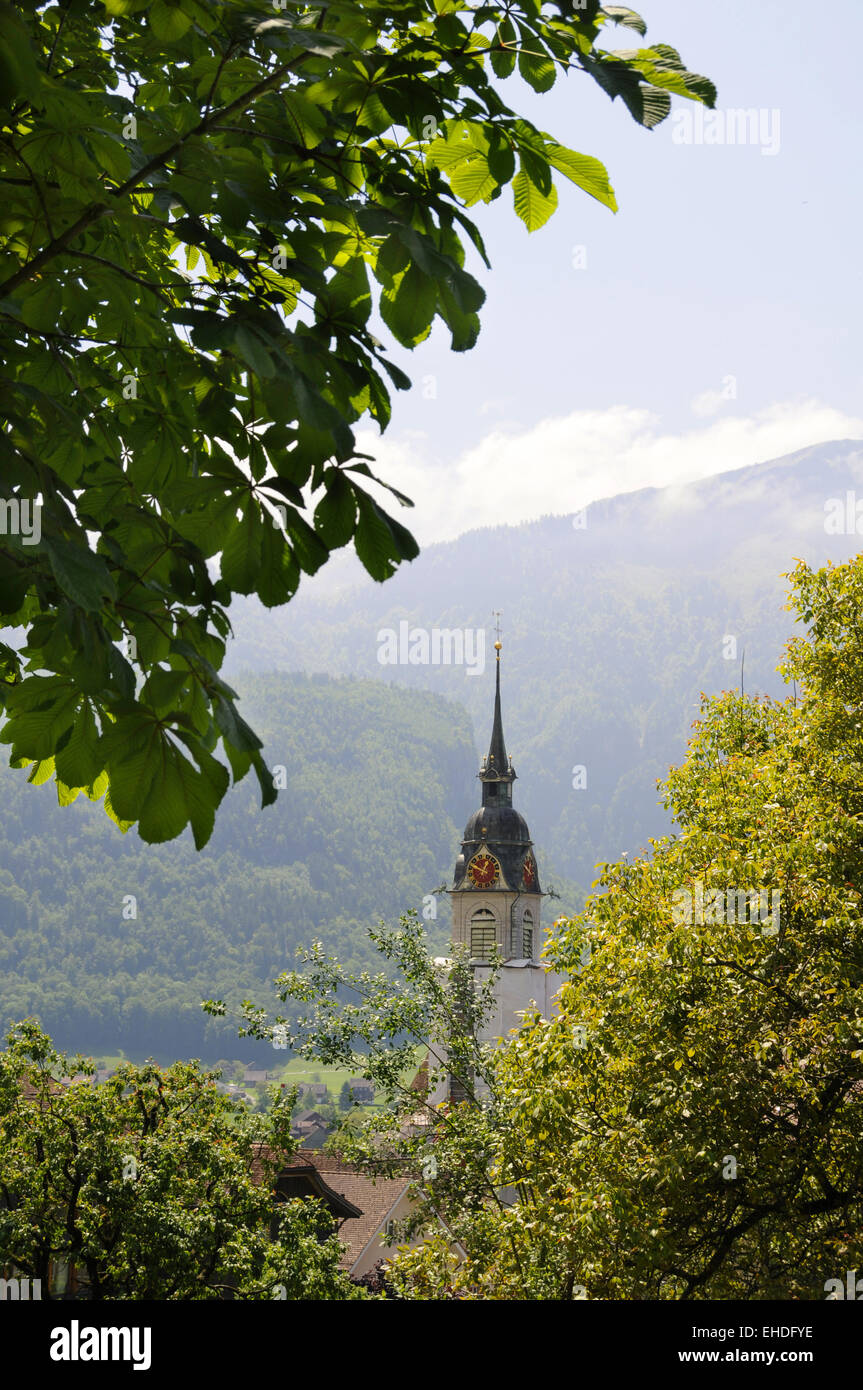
(30, 1092)
(303, 1180)
(375, 1197)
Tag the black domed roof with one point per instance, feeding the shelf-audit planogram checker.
(498, 824)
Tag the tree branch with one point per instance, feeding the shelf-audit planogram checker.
(97, 210)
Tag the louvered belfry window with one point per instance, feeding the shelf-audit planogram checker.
(527, 936)
(483, 934)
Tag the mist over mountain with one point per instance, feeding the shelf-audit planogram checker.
(614, 622)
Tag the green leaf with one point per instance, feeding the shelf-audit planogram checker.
(381, 542)
(269, 794)
(42, 771)
(165, 812)
(308, 546)
(254, 351)
(82, 575)
(536, 166)
(621, 14)
(585, 171)
(647, 105)
(168, 22)
(464, 327)
(162, 689)
(234, 728)
(392, 257)
(534, 64)
(281, 33)
(35, 734)
(408, 310)
(307, 123)
(41, 310)
(14, 583)
(472, 179)
(662, 67)
(533, 207)
(336, 512)
(131, 752)
(348, 295)
(241, 557)
(79, 762)
(19, 72)
(280, 573)
(503, 61)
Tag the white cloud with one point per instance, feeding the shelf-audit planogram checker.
(564, 463)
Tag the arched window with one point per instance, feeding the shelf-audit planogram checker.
(483, 934)
(527, 936)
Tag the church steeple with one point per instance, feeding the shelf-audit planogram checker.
(497, 899)
(497, 852)
(496, 905)
(497, 773)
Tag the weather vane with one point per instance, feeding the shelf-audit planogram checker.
(496, 613)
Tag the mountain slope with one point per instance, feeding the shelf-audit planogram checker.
(379, 782)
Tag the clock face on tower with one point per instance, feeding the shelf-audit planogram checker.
(483, 870)
(528, 873)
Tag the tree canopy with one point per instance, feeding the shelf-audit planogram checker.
(206, 209)
(150, 1185)
(687, 1125)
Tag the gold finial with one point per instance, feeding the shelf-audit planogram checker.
(496, 613)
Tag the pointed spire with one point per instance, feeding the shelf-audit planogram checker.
(497, 761)
(496, 766)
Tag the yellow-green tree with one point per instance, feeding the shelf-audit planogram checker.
(152, 1184)
(688, 1125)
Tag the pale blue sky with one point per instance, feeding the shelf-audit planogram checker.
(721, 262)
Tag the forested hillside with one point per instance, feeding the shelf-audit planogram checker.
(612, 629)
(379, 783)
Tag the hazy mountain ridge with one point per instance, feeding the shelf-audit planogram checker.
(610, 632)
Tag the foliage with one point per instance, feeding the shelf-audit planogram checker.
(687, 1126)
(146, 1184)
(203, 205)
(372, 1023)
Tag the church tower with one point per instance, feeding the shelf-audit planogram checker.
(496, 895)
